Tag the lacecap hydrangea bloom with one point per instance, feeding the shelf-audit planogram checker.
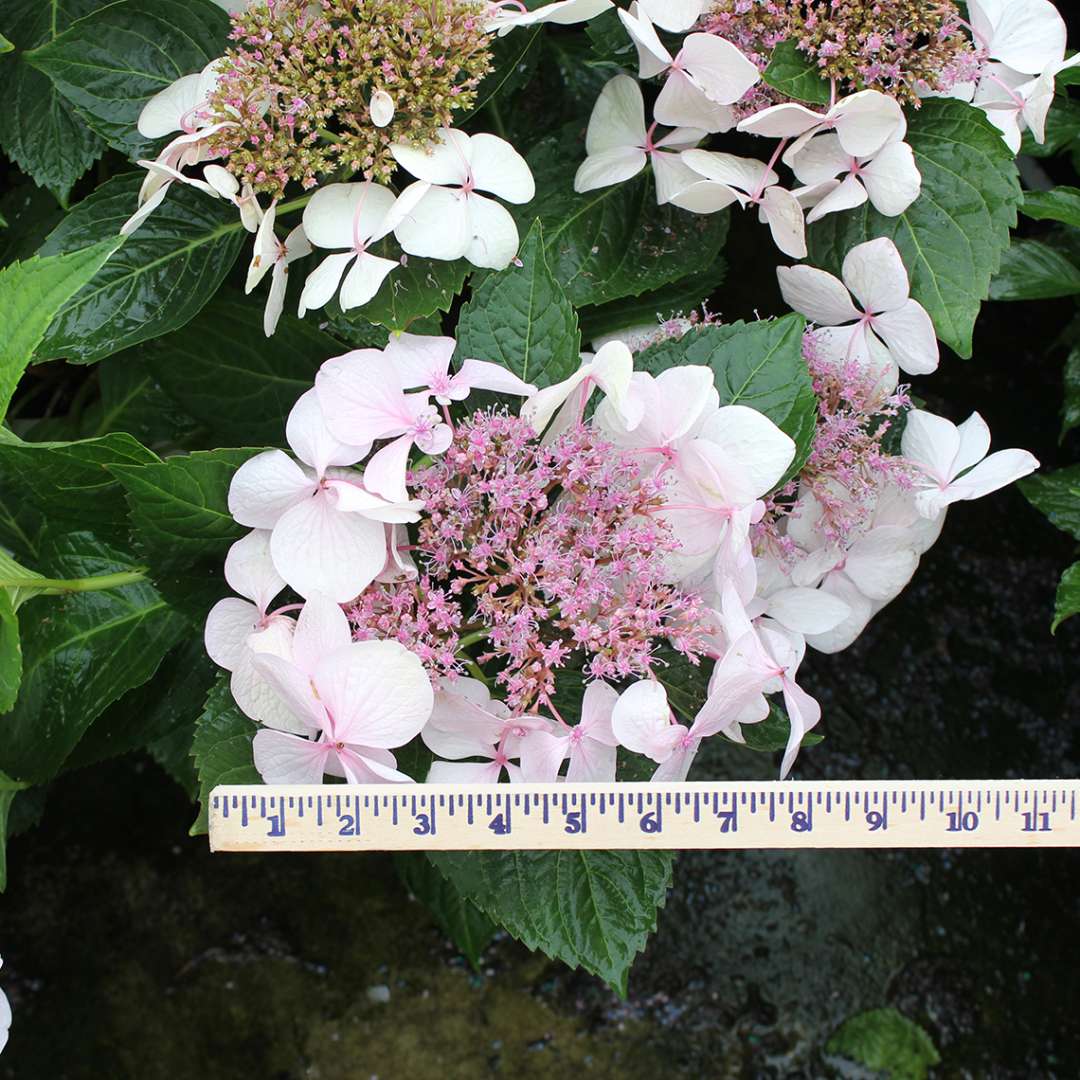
(342, 102)
(511, 583)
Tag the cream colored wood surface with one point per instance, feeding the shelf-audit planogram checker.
(759, 815)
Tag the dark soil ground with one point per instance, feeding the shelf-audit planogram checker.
(132, 953)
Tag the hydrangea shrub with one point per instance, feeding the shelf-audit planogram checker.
(398, 439)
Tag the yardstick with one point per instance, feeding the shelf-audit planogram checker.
(760, 815)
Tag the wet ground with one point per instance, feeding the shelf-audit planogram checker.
(131, 952)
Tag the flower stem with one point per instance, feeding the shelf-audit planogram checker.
(87, 584)
(472, 639)
(292, 205)
(496, 118)
(477, 673)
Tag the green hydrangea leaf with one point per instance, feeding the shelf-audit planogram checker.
(31, 213)
(88, 650)
(31, 293)
(413, 291)
(222, 748)
(158, 281)
(1035, 270)
(461, 920)
(239, 384)
(589, 909)
(8, 790)
(520, 318)
(514, 58)
(1070, 410)
(180, 515)
(771, 735)
(1059, 204)
(614, 242)
(1057, 495)
(686, 683)
(681, 297)
(795, 75)
(10, 653)
(1067, 599)
(167, 705)
(131, 399)
(69, 482)
(113, 60)
(39, 130)
(610, 41)
(887, 1042)
(953, 236)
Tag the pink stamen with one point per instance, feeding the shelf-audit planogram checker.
(755, 198)
(650, 146)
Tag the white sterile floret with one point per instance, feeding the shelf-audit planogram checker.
(326, 527)
(1015, 103)
(242, 196)
(890, 179)
(274, 254)
(1027, 35)
(867, 571)
(1026, 41)
(953, 460)
(890, 331)
(590, 744)
(674, 15)
(442, 216)
(422, 361)
(721, 179)
(673, 407)
(702, 80)
(717, 483)
(354, 701)
(181, 107)
(467, 722)
(610, 369)
(619, 146)
(381, 108)
(236, 630)
(178, 106)
(5, 1016)
(506, 15)
(353, 217)
(864, 122)
(185, 151)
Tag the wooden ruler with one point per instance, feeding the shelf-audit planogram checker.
(759, 815)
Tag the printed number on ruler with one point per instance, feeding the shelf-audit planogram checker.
(834, 814)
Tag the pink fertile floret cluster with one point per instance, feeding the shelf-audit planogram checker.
(554, 551)
(848, 462)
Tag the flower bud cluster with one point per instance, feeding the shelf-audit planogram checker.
(300, 78)
(903, 48)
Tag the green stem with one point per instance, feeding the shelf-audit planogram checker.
(472, 639)
(9, 520)
(477, 673)
(87, 584)
(292, 205)
(496, 118)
